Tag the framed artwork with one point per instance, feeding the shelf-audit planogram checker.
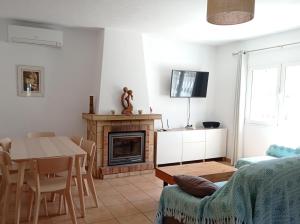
(30, 80)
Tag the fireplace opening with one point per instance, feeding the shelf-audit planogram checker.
(126, 147)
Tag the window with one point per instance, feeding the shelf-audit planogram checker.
(291, 97)
(264, 97)
(274, 96)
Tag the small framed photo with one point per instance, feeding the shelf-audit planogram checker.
(30, 80)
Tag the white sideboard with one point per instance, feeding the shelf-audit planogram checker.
(181, 145)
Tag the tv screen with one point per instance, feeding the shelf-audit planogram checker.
(189, 83)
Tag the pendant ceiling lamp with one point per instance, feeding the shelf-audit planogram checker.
(229, 12)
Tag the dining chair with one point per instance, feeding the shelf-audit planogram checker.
(7, 181)
(39, 185)
(87, 171)
(5, 143)
(77, 140)
(40, 134)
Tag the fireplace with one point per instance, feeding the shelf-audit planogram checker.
(126, 147)
(98, 129)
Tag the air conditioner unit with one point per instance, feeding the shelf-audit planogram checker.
(32, 35)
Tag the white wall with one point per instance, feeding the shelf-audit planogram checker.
(123, 65)
(100, 63)
(257, 139)
(71, 75)
(124, 58)
(161, 56)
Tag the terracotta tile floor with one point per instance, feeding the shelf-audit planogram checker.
(126, 200)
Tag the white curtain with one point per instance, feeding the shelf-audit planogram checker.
(239, 107)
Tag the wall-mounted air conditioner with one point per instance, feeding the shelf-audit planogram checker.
(32, 35)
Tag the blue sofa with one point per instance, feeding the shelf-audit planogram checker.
(273, 152)
(263, 193)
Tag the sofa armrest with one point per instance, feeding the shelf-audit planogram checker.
(250, 160)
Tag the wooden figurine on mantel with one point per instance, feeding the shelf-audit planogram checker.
(126, 100)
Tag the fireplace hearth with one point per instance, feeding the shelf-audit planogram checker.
(126, 147)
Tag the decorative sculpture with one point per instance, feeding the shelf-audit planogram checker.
(126, 99)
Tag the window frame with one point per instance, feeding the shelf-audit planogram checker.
(281, 120)
(249, 89)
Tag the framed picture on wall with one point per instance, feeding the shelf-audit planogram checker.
(30, 80)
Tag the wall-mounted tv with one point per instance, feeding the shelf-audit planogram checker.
(188, 84)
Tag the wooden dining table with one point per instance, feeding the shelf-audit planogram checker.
(27, 149)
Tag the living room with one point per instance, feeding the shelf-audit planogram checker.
(106, 46)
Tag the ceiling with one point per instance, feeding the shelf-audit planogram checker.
(178, 19)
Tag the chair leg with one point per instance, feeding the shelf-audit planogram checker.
(36, 207)
(5, 202)
(65, 204)
(75, 181)
(46, 205)
(30, 206)
(52, 197)
(2, 190)
(59, 204)
(90, 181)
(70, 203)
(85, 190)
(62, 201)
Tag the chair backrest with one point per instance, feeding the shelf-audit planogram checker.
(5, 163)
(40, 134)
(77, 140)
(90, 148)
(5, 143)
(53, 165)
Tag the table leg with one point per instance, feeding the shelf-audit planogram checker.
(80, 187)
(21, 171)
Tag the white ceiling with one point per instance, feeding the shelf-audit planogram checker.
(180, 19)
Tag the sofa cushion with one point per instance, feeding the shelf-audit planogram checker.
(196, 186)
(281, 151)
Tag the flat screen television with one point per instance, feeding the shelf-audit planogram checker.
(188, 84)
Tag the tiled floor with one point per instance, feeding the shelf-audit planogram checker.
(126, 200)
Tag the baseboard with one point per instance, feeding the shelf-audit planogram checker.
(227, 160)
(219, 159)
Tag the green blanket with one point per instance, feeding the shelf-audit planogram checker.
(263, 193)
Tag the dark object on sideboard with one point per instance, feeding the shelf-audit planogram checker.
(211, 124)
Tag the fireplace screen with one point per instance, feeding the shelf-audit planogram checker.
(126, 147)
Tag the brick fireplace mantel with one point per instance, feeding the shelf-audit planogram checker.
(120, 117)
(98, 127)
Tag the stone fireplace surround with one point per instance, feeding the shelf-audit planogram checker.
(98, 128)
